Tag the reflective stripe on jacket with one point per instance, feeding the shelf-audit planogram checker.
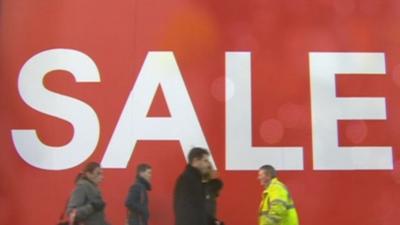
(277, 206)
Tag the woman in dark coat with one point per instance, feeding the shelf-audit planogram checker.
(86, 201)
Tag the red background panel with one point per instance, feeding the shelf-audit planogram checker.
(279, 33)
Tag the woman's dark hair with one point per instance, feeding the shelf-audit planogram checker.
(89, 168)
(197, 153)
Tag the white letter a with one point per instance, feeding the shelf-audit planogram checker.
(159, 69)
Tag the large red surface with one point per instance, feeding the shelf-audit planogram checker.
(118, 34)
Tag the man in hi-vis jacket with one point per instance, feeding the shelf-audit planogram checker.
(277, 206)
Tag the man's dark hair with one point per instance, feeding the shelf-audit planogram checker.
(142, 168)
(197, 153)
(270, 170)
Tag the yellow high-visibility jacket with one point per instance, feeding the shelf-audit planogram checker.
(277, 206)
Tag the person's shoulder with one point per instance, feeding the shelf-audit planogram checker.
(83, 183)
(190, 176)
(185, 177)
(182, 177)
(277, 186)
(186, 173)
(137, 186)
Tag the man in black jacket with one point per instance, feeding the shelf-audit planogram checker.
(137, 200)
(189, 198)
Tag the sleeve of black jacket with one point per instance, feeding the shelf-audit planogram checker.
(215, 186)
(189, 204)
(133, 201)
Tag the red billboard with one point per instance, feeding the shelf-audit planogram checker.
(309, 86)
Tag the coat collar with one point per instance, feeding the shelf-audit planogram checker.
(273, 181)
(193, 171)
(144, 182)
